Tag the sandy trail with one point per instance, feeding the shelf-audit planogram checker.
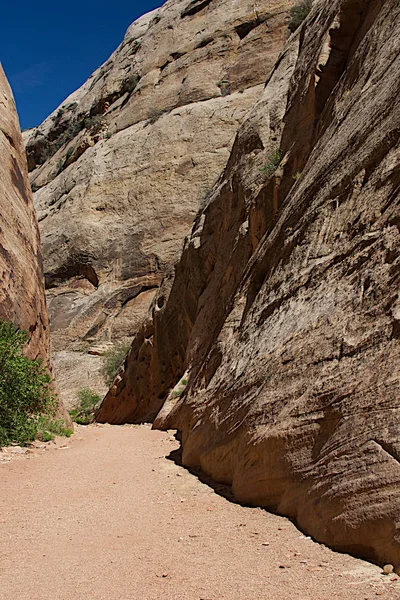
(109, 517)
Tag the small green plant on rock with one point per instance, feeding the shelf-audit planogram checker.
(179, 390)
(71, 130)
(69, 153)
(298, 13)
(59, 166)
(272, 164)
(94, 124)
(112, 361)
(130, 84)
(88, 402)
(26, 392)
(63, 161)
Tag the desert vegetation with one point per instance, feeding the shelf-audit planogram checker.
(27, 399)
(88, 402)
(298, 13)
(113, 359)
(272, 163)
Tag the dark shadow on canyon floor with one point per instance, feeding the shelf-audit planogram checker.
(219, 488)
(225, 491)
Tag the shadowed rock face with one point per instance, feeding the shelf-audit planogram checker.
(22, 298)
(282, 313)
(121, 168)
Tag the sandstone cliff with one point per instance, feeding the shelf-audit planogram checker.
(273, 344)
(22, 298)
(120, 169)
(22, 293)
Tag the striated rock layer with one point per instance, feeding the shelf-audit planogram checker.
(22, 298)
(22, 293)
(120, 169)
(278, 329)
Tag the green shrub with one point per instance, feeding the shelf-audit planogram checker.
(88, 401)
(71, 130)
(298, 13)
(93, 123)
(113, 359)
(69, 153)
(63, 161)
(26, 391)
(273, 163)
(59, 166)
(130, 84)
(48, 428)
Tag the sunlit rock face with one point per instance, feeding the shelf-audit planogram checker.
(22, 298)
(22, 295)
(120, 169)
(273, 344)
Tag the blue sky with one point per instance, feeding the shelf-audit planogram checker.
(48, 49)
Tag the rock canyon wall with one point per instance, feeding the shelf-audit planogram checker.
(273, 343)
(120, 169)
(22, 293)
(22, 298)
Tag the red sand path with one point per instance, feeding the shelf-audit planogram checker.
(109, 517)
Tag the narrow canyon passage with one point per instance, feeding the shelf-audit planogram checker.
(106, 516)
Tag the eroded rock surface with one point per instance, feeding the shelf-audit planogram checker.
(22, 295)
(121, 168)
(273, 344)
(22, 298)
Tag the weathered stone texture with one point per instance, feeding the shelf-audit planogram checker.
(283, 311)
(121, 168)
(22, 298)
(141, 144)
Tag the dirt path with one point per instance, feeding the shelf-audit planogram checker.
(108, 517)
